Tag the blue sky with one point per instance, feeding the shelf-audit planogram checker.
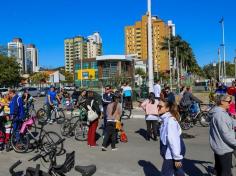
(47, 23)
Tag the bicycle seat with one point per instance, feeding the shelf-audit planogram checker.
(67, 165)
(86, 170)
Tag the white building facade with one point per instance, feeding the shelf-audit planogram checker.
(31, 59)
(94, 45)
(16, 50)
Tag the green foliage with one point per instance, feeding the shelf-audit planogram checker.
(40, 77)
(9, 72)
(213, 72)
(140, 71)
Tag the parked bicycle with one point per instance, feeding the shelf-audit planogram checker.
(44, 140)
(190, 118)
(76, 125)
(56, 113)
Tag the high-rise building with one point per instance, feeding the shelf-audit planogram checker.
(16, 50)
(136, 42)
(75, 49)
(31, 59)
(94, 45)
(79, 48)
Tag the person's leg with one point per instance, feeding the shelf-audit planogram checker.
(93, 133)
(108, 131)
(148, 122)
(167, 168)
(104, 117)
(226, 164)
(154, 129)
(217, 165)
(1, 135)
(48, 112)
(113, 136)
(89, 134)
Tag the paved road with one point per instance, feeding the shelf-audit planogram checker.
(135, 158)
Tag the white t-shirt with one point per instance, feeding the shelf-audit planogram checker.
(157, 90)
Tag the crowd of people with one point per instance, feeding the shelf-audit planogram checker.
(162, 115)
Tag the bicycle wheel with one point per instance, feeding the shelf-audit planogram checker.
(60, 116)
(185, 124)
(204, 119)
(41, 115)
(81, 131)
(19, 142)
(49, 141)
(65, 128)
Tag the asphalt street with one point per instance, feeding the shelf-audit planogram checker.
(138, 157)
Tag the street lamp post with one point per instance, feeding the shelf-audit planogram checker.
(170, 64)
(150, 59)
(223, 45)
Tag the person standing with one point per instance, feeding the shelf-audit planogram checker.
(172, 147)
(106, 100)
(51, 98)
(127, 96)
(82, 99)
(16, 109)
(114, 111)
(151, 117)
(91, 101)
(222, 136)
(157, 90)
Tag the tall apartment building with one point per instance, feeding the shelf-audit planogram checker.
(31, 59)
(26, 56)
(79, 47)
(136, 42)
(94, 45)
(16, 50)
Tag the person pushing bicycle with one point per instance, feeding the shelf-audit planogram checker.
(50, 99)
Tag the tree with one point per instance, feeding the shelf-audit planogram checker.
(140, 71)
(9, 71)
(40, 77)
(69, 77)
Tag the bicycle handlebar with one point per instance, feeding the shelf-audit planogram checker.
(11, 169)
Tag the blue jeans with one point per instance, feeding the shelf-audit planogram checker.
(169, 169)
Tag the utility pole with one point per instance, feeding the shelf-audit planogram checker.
(219, 60)
(177, 66)
(150, 58)
(223, 45)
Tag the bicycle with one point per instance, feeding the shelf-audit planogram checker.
(45, 140)
(126, 108)
(189, 119)
(53, 170)
(57, 112)
(76, 125)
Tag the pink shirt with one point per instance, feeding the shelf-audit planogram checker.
(150, 108)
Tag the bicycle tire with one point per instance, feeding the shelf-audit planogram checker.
(81, 131)
(60, 116)
(185, 124)
(48, 142)
(203, 120)
(20, 145)
(41, 115)
(65, 128)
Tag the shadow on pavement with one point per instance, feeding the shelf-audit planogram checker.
(148, 168)
(142, 132)
(190, 167)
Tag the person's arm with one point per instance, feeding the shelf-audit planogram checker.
(225, 130)
(49, 100)
(143, 105)
(173, 138)
(109, 110)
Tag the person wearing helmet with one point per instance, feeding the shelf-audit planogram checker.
(114, 111)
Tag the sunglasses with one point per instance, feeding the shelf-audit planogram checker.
(229, 101)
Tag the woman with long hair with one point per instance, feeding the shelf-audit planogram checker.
(151, 117)
(114, 111)
(172, 147)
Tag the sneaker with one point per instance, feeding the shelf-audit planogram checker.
(104, 149)
(114, 149)
(51, 122)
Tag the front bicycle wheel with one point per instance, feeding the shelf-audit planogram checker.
(204, 119)
(19, 142)
(81, 131)
(65, 128)
(60, 116)
(49, 141)
(185, 124)
(41, 115)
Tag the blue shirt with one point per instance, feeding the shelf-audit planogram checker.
(52, 95)
(17, 107)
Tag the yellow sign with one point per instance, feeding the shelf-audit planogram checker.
(87, 74)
